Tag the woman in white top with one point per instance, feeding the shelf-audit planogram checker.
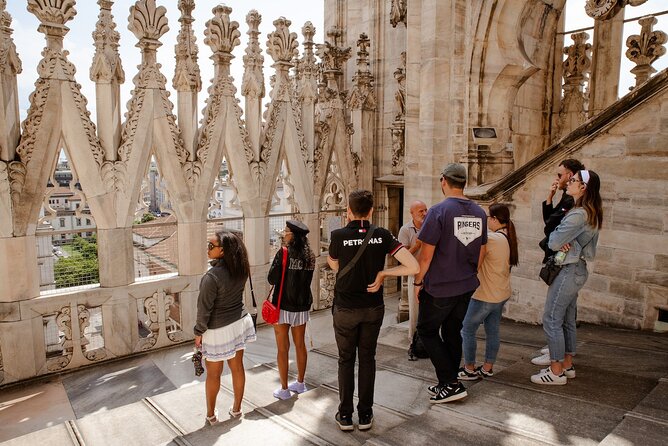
(497, 257)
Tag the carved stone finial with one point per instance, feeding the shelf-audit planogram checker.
(362, 95)
(332, 56)
(252, 84)
(575, 71)
(106, 61)
(282, 44)
(222, 35)
(53, 15)
(9, 58)
(645, 48)
(186, 75)
(578, 62)
(149, 23)
(607, 9)
(398, 10)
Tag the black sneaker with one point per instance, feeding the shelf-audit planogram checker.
(345, 422)
(433, 390)
(365, 422)
(484, 373)
(448, 393)
(467, 375)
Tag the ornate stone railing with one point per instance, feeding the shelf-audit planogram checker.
(79, 328)
(590, 68)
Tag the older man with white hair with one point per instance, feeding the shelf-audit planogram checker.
(408, 236)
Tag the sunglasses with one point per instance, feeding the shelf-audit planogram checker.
(210, 246)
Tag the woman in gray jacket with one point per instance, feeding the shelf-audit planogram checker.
(576, 238)
(223, 326)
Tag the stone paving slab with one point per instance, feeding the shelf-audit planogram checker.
(655, 404)
(650, 341)
(437, 428)
(629, 360)
(133, 424)
(30, 408)
(596, 385)
(253, 429)
(636, 431)
(314, 412)
(54, 435)
(554, 418)
(187, 406)
(113, 385)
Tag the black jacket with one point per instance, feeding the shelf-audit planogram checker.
(552, 216)
(297, 294)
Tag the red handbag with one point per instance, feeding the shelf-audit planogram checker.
(271, 312)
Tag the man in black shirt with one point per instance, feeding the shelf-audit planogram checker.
(553, 214)
(359, 308)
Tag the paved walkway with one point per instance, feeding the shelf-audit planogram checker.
(619, 397)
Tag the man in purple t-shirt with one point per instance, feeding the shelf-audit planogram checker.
(452, 235)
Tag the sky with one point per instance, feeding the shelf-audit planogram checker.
(80, 43)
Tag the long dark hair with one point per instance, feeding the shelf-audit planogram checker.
(235, 255)
(502, 214)
(591, 201)
(299, 248)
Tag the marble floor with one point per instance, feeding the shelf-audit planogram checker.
(50, 402)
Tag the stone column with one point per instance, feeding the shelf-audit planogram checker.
(9, 104)
(19, 274)
(362, 103)
(115, 257)
(307, 73)
(187, 80)
(191, 247)
(256, 230)
(107, 73)
(606, 60)
(252, 85)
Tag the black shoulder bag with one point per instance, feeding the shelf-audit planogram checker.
(551, 269)
(346, 269)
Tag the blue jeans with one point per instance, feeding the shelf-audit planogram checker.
(560, 310)
(439, 326)
(487, 313)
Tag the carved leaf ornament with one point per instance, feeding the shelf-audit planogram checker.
(147, 21)
(222, 34)
(282, 44)
(53, 11)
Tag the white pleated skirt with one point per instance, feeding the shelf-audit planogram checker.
(293, 318)
(221, 344)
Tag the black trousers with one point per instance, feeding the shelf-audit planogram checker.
(356, 331)
(439, 326)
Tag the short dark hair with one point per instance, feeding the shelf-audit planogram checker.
(360, 202)
(452, 184)
(573, 165)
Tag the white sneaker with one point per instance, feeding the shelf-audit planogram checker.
(570, 372)
(282, 394)
(542, 360)
(546, 377)
(544, 350)
(297, 387)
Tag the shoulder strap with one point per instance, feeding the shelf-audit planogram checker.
(359, 253)
(280, 290)
(250, 280)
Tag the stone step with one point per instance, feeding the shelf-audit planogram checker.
(647, 421)
(436, 427)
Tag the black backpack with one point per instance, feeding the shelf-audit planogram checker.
(416, 350)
